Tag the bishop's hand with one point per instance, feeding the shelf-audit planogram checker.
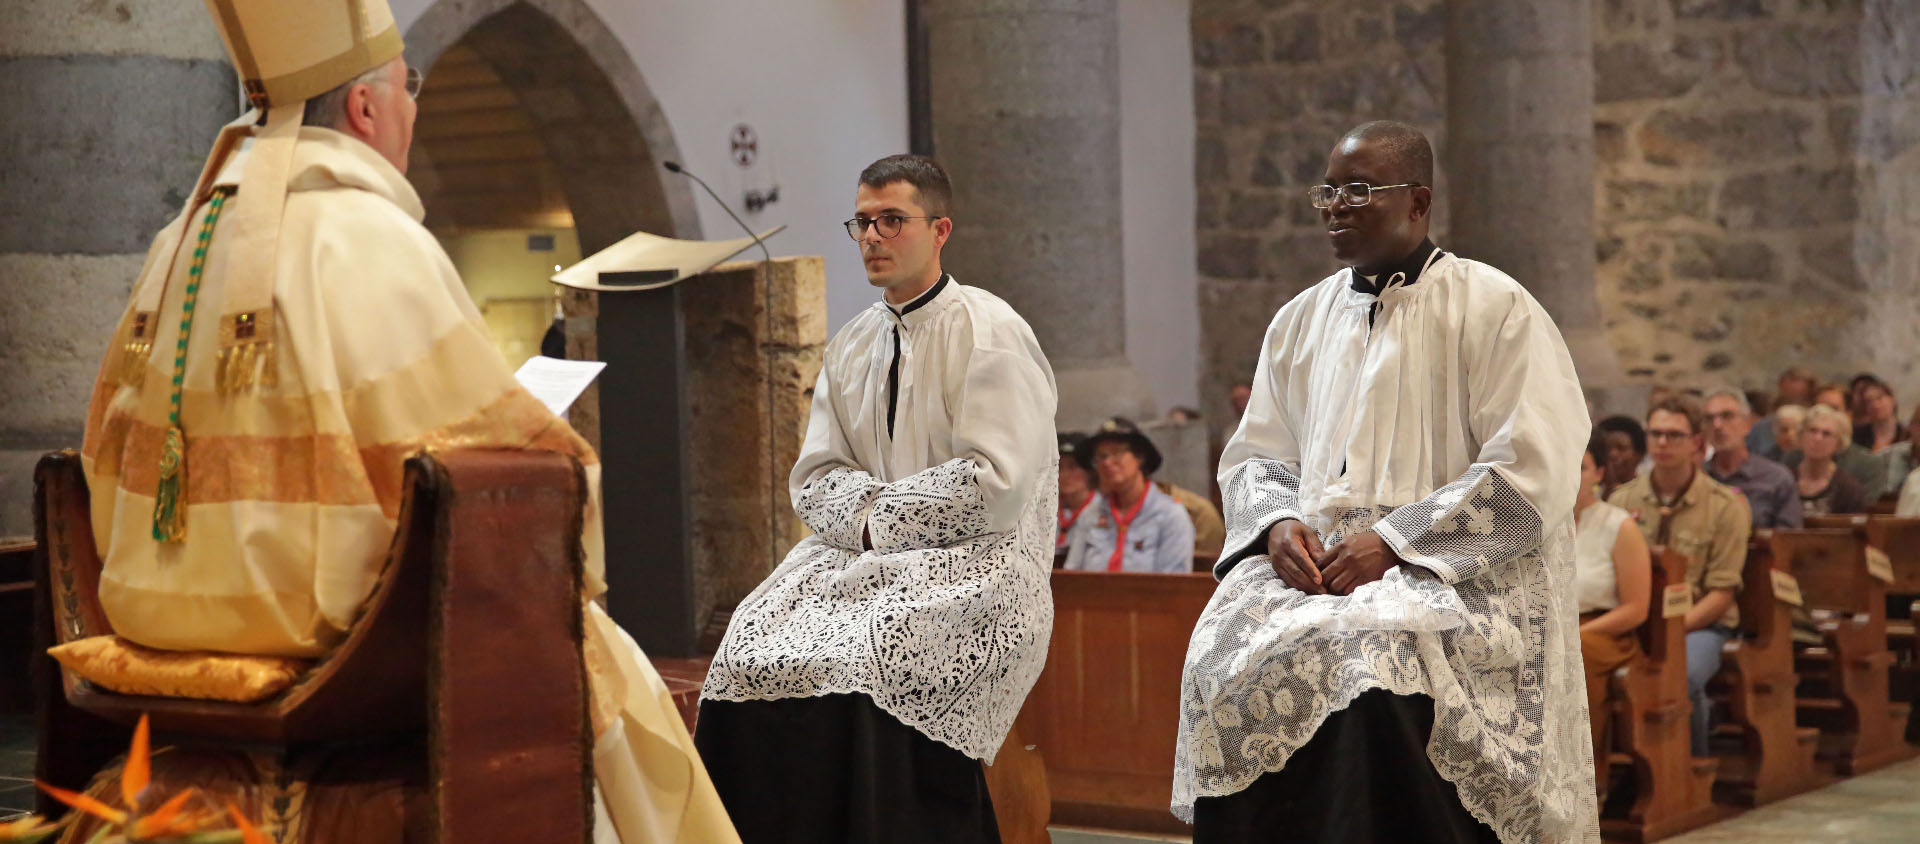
(1295, 552)
(1358, 560)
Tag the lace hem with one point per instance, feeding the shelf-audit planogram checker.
(1267, 664)
(834, 506)
(1257, 495)
(1477, 521)
(947, 639)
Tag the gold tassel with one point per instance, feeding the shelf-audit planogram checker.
(133, 362)
(170, 500)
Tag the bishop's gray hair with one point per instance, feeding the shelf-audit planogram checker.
(1406, 146)
(329, 110)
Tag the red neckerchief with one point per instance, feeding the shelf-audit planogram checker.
(1120, 523)
(1066, 521)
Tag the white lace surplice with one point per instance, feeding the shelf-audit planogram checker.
(1452, 428)
(945, 622)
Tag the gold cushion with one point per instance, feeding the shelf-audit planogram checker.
(122, 666)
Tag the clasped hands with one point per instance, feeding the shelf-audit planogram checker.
(1303, 564)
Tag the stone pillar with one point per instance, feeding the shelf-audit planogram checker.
(1519, 158)
(1025, 106)
(111, 109)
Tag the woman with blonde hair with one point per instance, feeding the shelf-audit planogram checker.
(1824, 487)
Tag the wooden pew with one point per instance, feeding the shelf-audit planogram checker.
(1104, 711)
(1758, 680)
(1843, 688)
(1899, 538)
(1672, 791)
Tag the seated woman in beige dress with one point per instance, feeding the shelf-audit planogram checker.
(1612, 580)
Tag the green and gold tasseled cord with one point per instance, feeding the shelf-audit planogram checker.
(170, 500)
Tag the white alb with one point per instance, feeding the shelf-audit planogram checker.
(945, 622)
(1452, 427)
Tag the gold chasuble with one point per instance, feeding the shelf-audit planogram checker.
(297, 334)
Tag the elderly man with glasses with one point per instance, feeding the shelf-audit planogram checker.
(1393, 652)
(860, 686)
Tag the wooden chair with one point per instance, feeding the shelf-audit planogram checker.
(1843, 682)
(1104, 711)
(1672, 791)
(454, 711)
(1758, 680)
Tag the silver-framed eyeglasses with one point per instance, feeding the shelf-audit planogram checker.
(415, 81)
(887, 224)
(1354, 194)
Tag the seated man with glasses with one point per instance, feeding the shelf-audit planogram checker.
(859, 687)
(1684, 508)
(1396, 610)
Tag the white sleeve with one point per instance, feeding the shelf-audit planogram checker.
(1260, 464)
(1003, 434)
(830, 492)
(1526, 409)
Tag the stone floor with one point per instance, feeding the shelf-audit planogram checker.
(1878, 808)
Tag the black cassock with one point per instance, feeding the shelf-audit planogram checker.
(836, 769)
(1364, 778)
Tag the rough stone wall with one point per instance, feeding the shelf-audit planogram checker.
(1750, 154)
(1757, 181)
(111, 107)
(1275, 84)
(755, 337)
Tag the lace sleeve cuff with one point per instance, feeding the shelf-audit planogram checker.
(933, 508)
(1258, 494)
(835, 506)
(1464, 527)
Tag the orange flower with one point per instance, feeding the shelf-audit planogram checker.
(139, 768)
(27, 830)
(84, 803)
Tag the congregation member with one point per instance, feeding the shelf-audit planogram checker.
(1794, 388)
(1866, 470)
(1078, 492)
(1626, 452)
(1908, 503)
(1209, 529)
(1832, 395)
(1879, 416)
(1786, 431)
(859, 688)
(1396, 611)
(1768, 486)
(295, 335)
(1685, 509)
(1823, 486)
(1139, 527)
(1896, 463)
(1613, 582)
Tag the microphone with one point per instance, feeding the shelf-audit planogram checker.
(674, 167)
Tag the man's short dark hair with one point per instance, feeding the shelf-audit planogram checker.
(1685, 405)
(926, 176)
(1405, 145)
(1626, 425)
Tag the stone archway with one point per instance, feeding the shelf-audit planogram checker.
(563, 129)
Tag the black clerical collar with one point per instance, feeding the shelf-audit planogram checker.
(1412, 266)
(921, 300)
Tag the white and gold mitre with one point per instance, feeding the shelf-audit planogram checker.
(289, 51)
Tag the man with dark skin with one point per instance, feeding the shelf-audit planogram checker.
(1396, 494)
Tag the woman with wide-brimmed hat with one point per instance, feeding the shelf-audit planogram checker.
(1138, 527)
